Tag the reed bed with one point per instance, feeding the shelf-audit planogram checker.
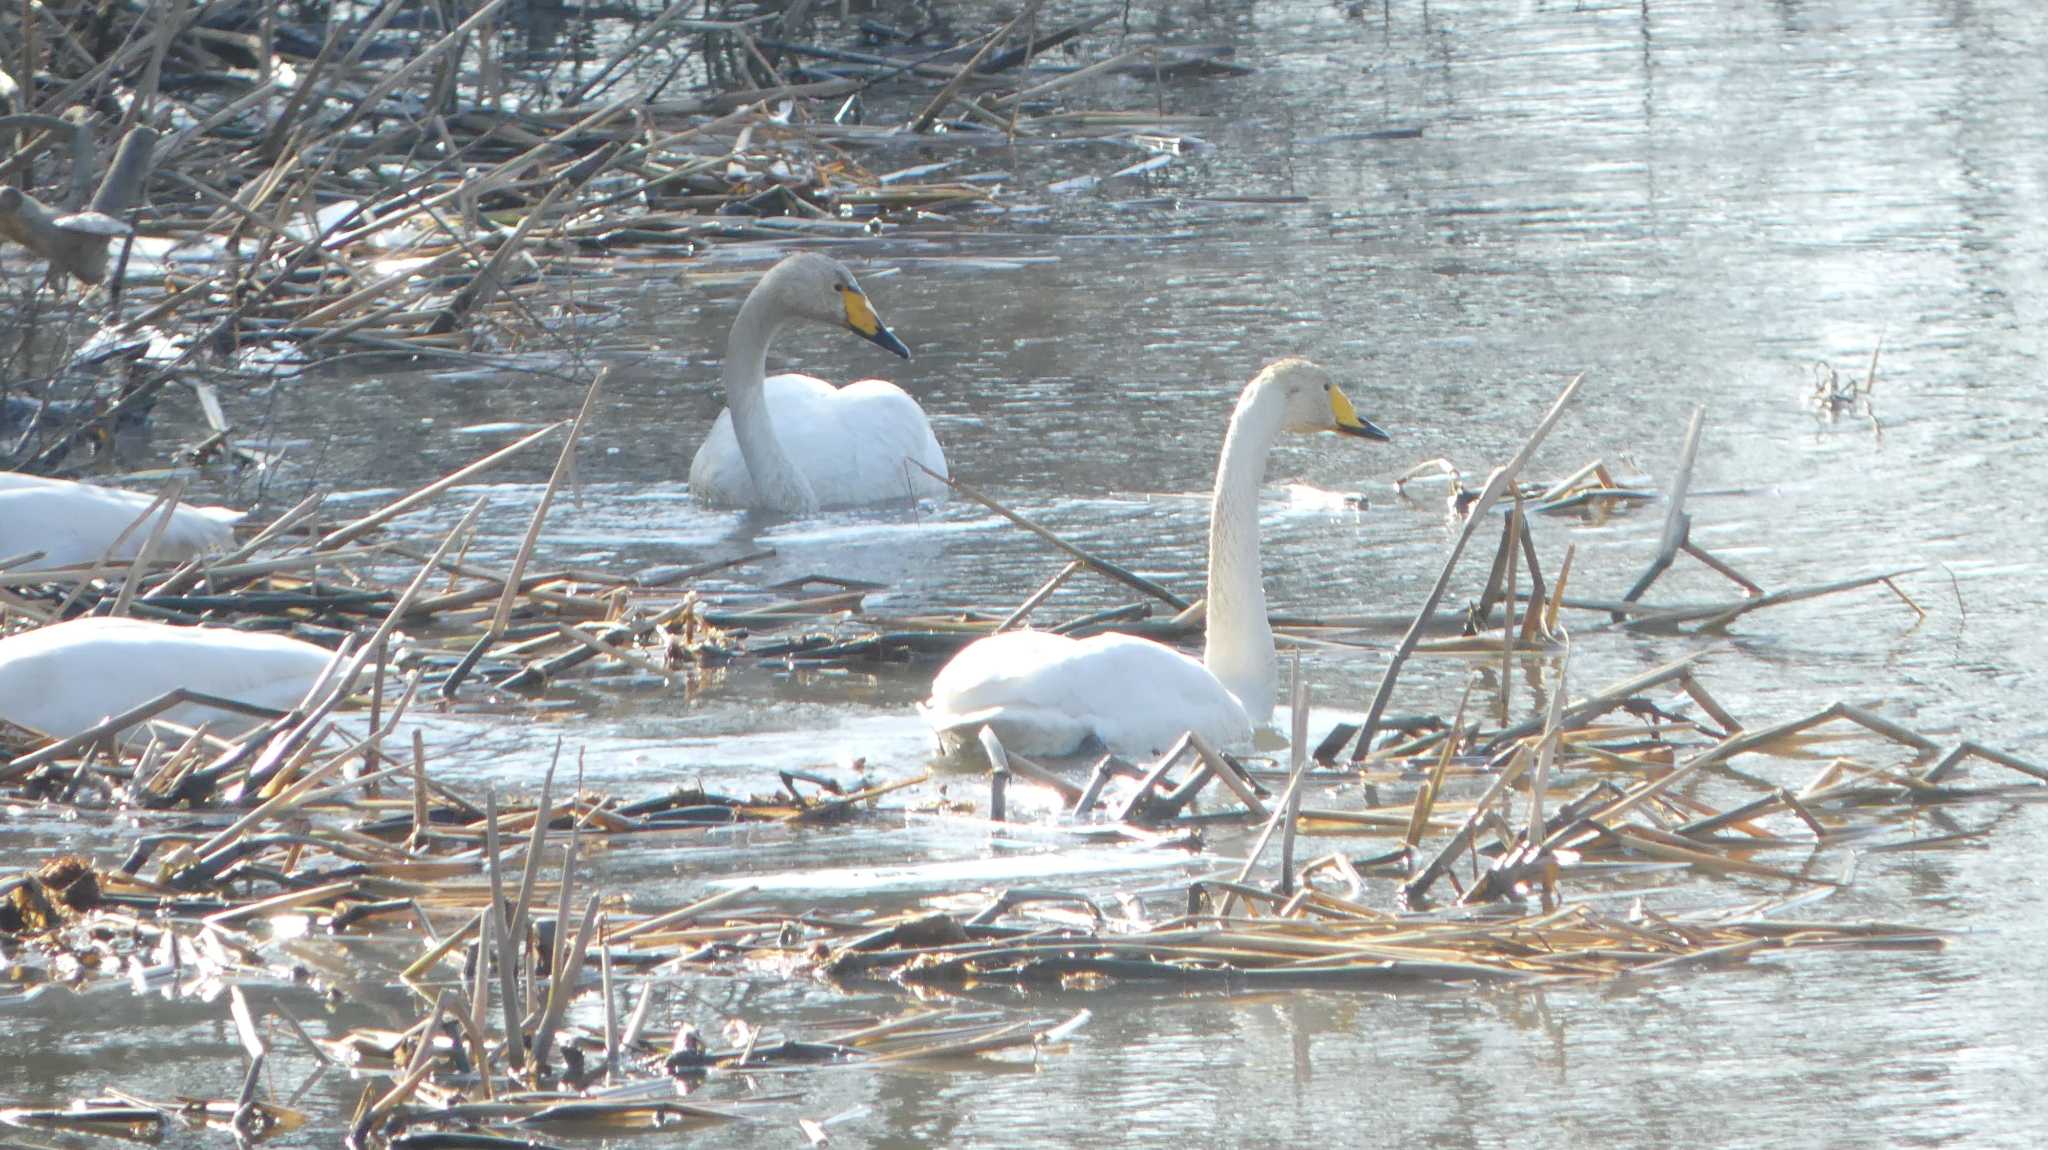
(492, 921)
(1317, 939)
(1505, 844)
(470, 1071)
(264, 187)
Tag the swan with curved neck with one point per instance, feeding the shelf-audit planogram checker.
(1048, 694)
(796, 444)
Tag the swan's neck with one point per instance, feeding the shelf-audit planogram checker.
(777, 482)
(1239, 647)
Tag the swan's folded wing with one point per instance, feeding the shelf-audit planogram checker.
(73, 523)
(854, 442)
(1022, 728)
(63, 678)
(1045, 694)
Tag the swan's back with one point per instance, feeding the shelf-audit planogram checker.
(1046, 694)
(850, 442)
(64, 678)
(75, 523)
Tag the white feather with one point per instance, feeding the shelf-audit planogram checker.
(853, 443)
(1045, 694)
(76, 523)
(63, 678)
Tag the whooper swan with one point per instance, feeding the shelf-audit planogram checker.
(64, 678)
(796, 444)
(1047, 694)
(75, 523)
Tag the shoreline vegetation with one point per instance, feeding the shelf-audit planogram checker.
(385, 183)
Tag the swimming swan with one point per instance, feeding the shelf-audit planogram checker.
(796, 444)
(63, 678)
(1048, 694)
(75, 523)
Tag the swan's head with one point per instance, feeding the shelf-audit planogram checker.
(1312, 400)
(821, 288)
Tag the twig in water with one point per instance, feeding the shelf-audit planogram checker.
(1497, 484)
(1120, 574)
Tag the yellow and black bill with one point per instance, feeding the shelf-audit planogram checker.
(861, 317)
(1349, 422)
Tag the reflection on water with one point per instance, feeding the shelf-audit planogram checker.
(1694, 202)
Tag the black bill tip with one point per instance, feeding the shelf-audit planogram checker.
(886, 339)
(1367, 429)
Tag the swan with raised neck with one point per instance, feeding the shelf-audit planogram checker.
(1237, 645)
(1048, 694)
(795, 444)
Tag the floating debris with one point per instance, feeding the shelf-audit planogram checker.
(1315, 939)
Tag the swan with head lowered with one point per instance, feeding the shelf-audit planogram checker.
(1048, 694)
(794, 443)
(64, 678)
(77, 523)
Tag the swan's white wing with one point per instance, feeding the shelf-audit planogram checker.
(851, 443)
(63, 678)
(1045, 694)
(73, 523)
(876, 429)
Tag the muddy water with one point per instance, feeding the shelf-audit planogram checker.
(1694, 203)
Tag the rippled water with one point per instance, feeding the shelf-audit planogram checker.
(1694, 203)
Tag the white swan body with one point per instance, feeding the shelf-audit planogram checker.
(818, 424)
(1046, 694)
(796, 444)
(63, 678)
(76, 523)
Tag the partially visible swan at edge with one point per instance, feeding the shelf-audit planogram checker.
(63, 678)
(1047, 694)
(75, 523)
(796, 444)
